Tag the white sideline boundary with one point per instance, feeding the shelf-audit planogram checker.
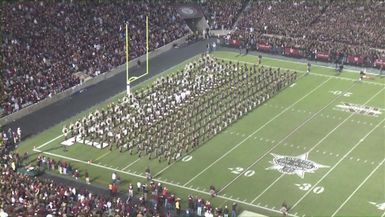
(169, 183)
(301, 63)
(301, 71)
(257, 130)
(319, 142)
(358, 188)
(326, 174)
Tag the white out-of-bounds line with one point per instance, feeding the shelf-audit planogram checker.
(257, 130)
(318, 65)
(132, 163)
(283, 139)
(326, 174)
(362, 183)
(318, 143)
(312, 73)
(160, 181)
(48, 142)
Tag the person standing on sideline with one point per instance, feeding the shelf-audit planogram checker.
(86, 175)
(226, 212)
(214, 46)
(234, 210)
(259, 59)
(177, 206)
(113, 177)
(308, 68)
(240, 48)
(208, 47)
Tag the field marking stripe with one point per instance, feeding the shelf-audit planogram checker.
(326, 174)
(168, 166)
(383, 215)
(302, 71)
(102, 156)
(362, 183)
(48, 142)
(283, 139)
(132, 163)
(160, 181)
(264, 125)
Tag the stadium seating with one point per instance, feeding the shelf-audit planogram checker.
(222, 14)
(321, 30)
(44, 44)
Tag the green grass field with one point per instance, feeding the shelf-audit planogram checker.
(328, 155)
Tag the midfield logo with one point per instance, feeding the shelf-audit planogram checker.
(359, 109)
(294, 164)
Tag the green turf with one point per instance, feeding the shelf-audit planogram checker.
(301, 119)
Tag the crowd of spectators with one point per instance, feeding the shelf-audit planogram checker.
(24, 195)
(222, 14)
(334, 27)
(45, 43)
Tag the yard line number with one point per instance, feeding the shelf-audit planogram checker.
(339, 93)
(239, 170)
(307, 186)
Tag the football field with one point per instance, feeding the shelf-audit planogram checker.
(319, 145)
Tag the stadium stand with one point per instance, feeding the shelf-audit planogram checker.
(222, 14)
(44, 44)
(319, 30)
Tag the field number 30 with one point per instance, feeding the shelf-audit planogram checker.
(307, 186)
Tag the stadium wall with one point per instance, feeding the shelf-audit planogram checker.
(57, 97)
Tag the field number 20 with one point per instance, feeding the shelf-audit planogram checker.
(239, 170)
(307, 186)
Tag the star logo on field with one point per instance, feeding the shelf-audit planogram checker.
(298, 165)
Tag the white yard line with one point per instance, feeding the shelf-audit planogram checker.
(46, 143)
(362, 183)
(324, 176)
(319, 142)
(264, 125)
(383, 215)
(103, 155)
(302, 71)
(162, 181)
(164, 169)
(282, 140)
(132, 163)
